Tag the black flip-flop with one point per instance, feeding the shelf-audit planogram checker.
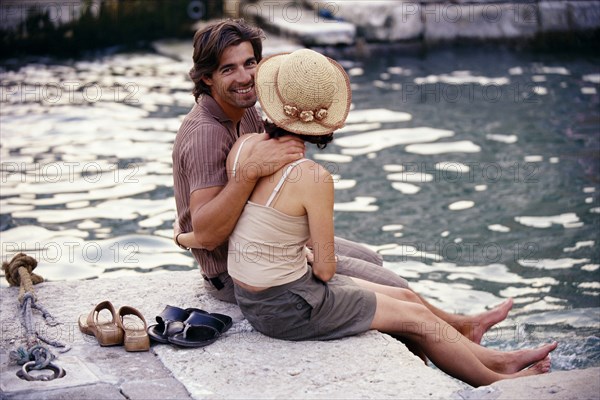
(170, 322)
(225, 319)
(201, 329)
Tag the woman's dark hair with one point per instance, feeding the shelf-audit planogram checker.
(210, 42)
(275, 131)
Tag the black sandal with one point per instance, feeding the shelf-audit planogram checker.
(170, 322)
(201, 329)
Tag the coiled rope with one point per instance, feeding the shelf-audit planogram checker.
(19, 272)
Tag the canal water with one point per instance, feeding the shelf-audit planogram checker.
(473, 171)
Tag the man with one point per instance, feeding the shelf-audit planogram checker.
(225, 58)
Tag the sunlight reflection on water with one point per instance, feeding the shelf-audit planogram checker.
(475, 181)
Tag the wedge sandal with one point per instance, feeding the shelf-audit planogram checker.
(107, 331)
(134, 329)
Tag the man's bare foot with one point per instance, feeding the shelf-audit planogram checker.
(479, 324)
(540, 367)
(516, 361)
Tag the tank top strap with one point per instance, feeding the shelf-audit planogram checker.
(282, 180)
(237, 155)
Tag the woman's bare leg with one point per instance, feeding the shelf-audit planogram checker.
(498, 361)
(509, 362)
(471, 326)
(456, 357)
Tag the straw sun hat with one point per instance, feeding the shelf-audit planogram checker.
(303, 92)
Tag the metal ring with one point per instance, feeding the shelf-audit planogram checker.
(23, 373)
(42, 356)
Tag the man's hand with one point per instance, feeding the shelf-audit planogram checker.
(269, 155)
(310, 256)
(211, 226)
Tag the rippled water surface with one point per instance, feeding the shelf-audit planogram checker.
(474, 172)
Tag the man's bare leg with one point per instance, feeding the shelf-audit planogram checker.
(472, 327)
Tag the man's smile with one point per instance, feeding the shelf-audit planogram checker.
(243, 90)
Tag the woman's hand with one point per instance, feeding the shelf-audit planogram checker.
(176, 231)
(176, 228)
(178, 235)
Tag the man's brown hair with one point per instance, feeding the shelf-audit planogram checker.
(211, 41)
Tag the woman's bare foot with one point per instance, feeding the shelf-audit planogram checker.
(516, 361)
(479, 324)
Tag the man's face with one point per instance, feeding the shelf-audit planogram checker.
(232, 83)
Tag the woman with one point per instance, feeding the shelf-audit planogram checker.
(281, 295)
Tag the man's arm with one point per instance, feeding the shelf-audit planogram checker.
(215, 210)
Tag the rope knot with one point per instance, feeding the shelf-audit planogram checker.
(20, 260)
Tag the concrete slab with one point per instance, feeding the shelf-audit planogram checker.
(157, 389)
(447, 21)
(584, 15)
(369, 365)
(380, 21)
(560, 385)
(554, 16)
(182, 50)
(77, 374)
(100, 391)
(241, 364)
(290, 19)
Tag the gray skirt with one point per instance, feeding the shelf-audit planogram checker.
(308, 309)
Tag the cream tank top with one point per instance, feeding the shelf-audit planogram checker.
(267, 246)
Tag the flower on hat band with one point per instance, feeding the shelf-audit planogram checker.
(290, 111)
(321, 114)
(305, 116)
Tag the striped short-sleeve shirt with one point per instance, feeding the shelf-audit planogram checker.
(199, 155)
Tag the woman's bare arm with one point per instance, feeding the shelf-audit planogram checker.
(318, 198)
